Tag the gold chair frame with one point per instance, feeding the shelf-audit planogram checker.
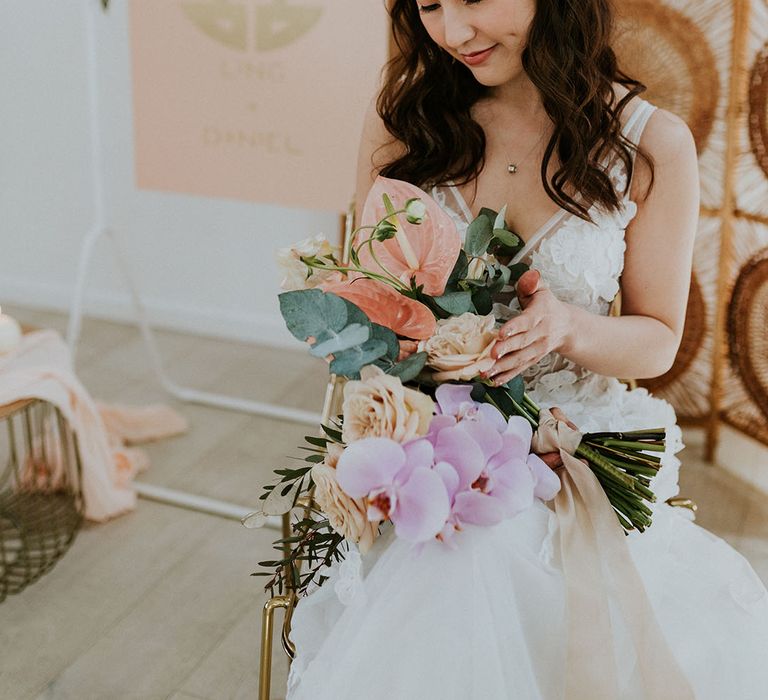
(288, 600)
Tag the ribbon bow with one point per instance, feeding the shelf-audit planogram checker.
(597, 568)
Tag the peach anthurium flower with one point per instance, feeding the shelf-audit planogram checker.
(426, 251)
(387, 307)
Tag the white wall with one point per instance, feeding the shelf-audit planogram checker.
(205, 265)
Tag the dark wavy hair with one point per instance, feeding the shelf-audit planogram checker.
(427, 95)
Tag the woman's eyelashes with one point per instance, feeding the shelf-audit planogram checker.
(436, 6)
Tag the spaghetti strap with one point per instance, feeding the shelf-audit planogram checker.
(460, 201)
(633, 131)
(638, 120)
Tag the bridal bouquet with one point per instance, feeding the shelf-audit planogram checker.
(423, 440)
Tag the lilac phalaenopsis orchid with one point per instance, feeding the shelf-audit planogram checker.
(473, 467)
(398, 482)
(455, 404)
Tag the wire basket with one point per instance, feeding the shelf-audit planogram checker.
(41, 502)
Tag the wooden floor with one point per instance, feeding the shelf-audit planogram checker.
(160, 603)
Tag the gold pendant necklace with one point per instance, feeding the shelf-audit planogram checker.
(514, 167)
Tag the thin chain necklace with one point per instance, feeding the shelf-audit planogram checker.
(514, 166)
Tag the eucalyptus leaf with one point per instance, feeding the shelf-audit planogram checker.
(350, 362)
(500, 279)
(410, 367)
(354, 313)
(311, 312)
(455, 303)
(516, 387)
(483, 301)
(490, 213)
(507, 238)
(478, 236)
(383, 333)
(459, 271)
(500, 220)
(505, 274)
(479, 391)
(472, 284)
(354, 334)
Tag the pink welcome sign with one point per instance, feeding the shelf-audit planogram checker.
(261, 100)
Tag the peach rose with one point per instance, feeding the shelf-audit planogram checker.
(347, 516)
(378, 405)
(461, 347)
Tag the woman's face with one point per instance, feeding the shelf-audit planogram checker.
(487, 36)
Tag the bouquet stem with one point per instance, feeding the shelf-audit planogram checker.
(623, 462)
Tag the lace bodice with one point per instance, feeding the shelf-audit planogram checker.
(580, 261)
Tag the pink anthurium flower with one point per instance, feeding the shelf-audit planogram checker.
(427, 251)
(398, 483)
(387, 307)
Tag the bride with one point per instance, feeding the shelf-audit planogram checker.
(521, 103)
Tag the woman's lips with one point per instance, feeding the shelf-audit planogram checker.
(478, 57)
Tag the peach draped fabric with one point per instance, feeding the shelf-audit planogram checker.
(41, 368)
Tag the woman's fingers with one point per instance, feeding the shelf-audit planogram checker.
(513, 364)
(528, 285)
(552, 459)
(519, 324)
(517, 342)
(557, 413)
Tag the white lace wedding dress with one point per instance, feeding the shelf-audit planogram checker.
(488, 621)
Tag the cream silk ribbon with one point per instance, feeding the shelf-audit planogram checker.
(598, 567)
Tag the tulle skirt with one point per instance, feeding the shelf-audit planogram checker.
(487, 621)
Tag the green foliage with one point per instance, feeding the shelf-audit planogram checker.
(455, 303)
(313, 313)
(312, 539)
(516, 388)
(349, 362)
(487, 239)
(351, 336)
(338, 329)
(459, 271)
(383, 333)
(410, 367)
(478, 236)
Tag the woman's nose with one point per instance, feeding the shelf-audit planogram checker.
(458, 31)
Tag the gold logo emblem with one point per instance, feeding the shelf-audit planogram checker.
(265, 26)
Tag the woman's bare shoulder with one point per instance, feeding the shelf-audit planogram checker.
(667, 140)
(667, 137)
(664, 130)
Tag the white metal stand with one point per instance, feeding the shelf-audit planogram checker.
(100, 229)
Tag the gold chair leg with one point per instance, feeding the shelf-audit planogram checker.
(267, 629)
(683, 503)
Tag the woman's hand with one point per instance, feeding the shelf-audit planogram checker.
(553, 459)
(542, 327)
